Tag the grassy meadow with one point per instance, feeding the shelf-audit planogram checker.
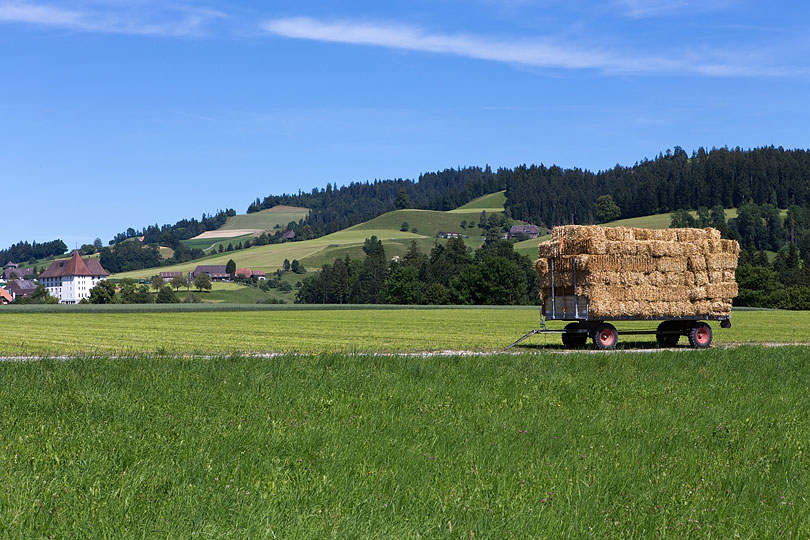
(492, 203)
(426, 222)
(271, 257)
(266, 220)
(694, 444)
(314, 329)
(207, 244)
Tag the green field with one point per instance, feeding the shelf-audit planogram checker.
(709, 444)
(393, 248)
(207, 244)
(266, 220)
(426, 222)
(76, 331)
(166, 252)
(223, 292)
(494, 202)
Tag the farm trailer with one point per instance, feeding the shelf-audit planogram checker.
(570, 307)
(681, 277)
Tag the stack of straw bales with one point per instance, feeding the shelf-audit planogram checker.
(644, 273)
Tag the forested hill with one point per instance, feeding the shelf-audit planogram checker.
(554, 196)
(335, 208)
(729, 178)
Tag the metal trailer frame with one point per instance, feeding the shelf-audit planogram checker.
(575, 309)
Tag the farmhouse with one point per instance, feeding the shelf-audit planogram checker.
(70, 280)
(14, 268)
(448, 235)
(247, 272)
(258, 274)
(289, 235)
(168, 276)
(524, 231)
(215, 271)
(21, 287)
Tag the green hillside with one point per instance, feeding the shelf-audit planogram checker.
(207, 244)
(426, 222)
(314, 253)
(244, 226)
(493, 202)
(265, 220)
(271, 257)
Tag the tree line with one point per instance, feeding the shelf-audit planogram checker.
(449, 274)
(24, 251)
(784, 281)
(172, 234)
(674, 180)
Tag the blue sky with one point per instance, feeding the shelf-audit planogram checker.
(119, 113)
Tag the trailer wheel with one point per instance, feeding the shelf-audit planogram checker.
(700, 335)
(605, 336)
(573, 340)
(664, 337)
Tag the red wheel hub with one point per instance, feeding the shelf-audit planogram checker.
(702, 335)
(607, 337)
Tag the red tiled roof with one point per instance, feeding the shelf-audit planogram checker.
(5, 294)
(247, 272)
(75, 266)
(94, 265)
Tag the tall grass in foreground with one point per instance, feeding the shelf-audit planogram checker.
(673, 444)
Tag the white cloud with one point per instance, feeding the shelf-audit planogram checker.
(543, 53)
(178, 23)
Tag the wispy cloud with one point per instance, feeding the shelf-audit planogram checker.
(179, 22)
(543, 53)
(641, 9)
(539, 53)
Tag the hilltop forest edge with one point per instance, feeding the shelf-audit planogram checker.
(758, 182)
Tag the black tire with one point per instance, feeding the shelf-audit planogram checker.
(605, 336)
(663, 336)
(573, 340)
(700, 335)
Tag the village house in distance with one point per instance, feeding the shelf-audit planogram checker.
(70, 280)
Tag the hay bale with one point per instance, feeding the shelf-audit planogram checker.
(671, 264)
(722, 290)
(619, 234)
(721, 261)
(696, 263)
(701, 278)
(730, 246)
(548, 250)
(697, 293)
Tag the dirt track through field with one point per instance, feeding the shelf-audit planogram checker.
(534, 351)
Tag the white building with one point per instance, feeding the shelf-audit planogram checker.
(70, 280)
